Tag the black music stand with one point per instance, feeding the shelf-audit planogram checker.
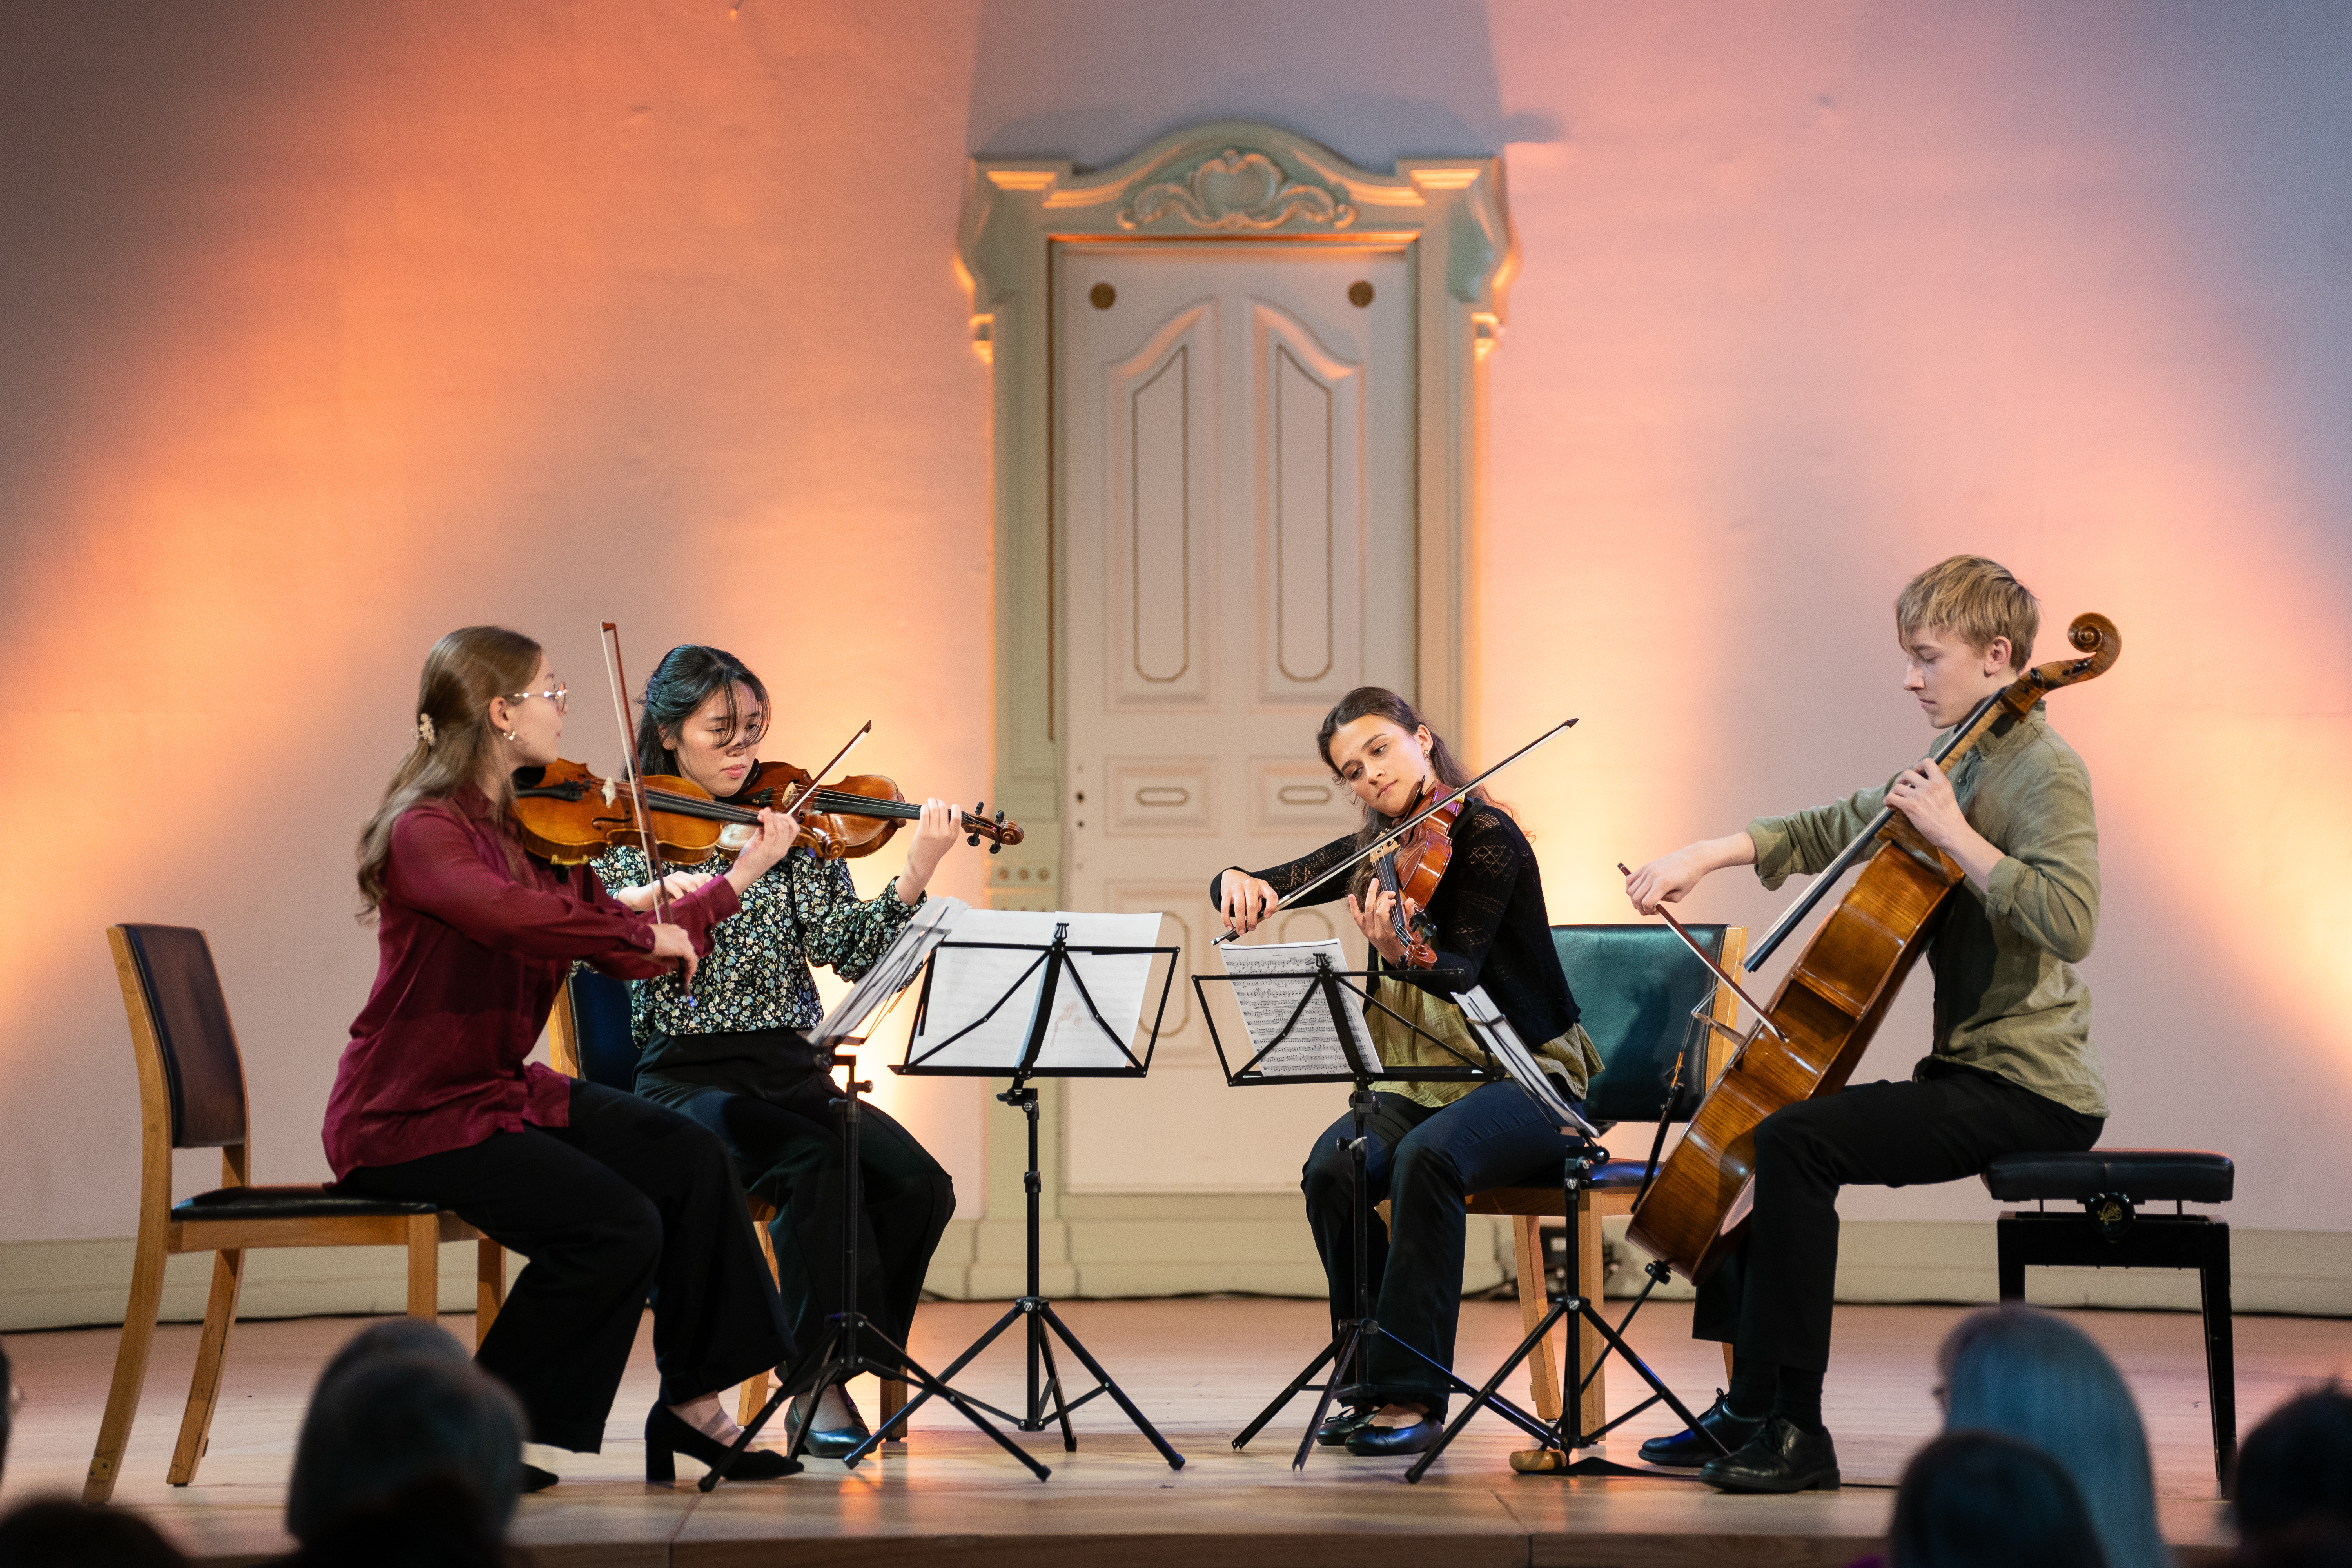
(1344, 1057)
(1567, 1433)
(840, 1353)
(1042, 1049)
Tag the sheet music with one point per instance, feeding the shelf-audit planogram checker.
(1487, 1022)
(896, 969)
(966, 982)
(1313, 1047)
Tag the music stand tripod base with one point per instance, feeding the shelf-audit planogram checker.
(1043, 1324)
(1050, 965)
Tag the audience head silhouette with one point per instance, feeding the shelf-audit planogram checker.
(58, 1532)
(2034, 1377)
(2293, 1484)
(1978, 1499)
(400, 1417)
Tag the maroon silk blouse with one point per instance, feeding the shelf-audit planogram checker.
(474, 950)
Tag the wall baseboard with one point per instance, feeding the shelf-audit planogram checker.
(69, 1284)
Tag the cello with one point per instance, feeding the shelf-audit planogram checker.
(1807, 1041)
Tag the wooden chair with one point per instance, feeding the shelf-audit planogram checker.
(192, 1095)
(588, 1036)
(1635, 985)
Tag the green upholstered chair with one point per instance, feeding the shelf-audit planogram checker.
(1636, 987)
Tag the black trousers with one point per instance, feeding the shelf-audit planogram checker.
(630, 1200)
(1424, 1162)
(788, 1141)
(1772, 1298)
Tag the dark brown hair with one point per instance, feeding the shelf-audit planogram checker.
(1379, 702)
(450, 737)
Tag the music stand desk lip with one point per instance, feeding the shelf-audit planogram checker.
(1468, 1073)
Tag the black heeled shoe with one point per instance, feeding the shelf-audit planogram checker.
(667, 1435)
(829, 1442)
(1689, 1448)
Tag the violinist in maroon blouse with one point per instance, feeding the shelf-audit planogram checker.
(610, 1197)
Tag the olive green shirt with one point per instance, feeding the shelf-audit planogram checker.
(2008, 1000)
(1571, 1060)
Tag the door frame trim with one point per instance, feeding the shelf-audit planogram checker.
(1449, 216)
(1222, 181)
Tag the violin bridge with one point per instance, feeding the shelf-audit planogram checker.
(611, 791)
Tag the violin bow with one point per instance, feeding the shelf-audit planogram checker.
(1402, 828)
(816, 778)
(610, 637)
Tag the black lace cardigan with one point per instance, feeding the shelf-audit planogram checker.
(1492, 928)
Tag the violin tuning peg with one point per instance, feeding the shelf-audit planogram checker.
(995, 848)
(974, 841)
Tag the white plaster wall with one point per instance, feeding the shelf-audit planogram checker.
(329, 329)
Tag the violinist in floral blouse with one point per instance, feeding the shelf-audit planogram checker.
(732, 1056)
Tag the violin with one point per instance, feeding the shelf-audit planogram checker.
(1409, 866)
(1806, 1041)
(856, 816)
(567, 814)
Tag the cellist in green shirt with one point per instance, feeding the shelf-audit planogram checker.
(2012, 1067)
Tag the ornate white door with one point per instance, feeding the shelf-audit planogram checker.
(1236, 477)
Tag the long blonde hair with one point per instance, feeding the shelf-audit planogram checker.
(452, 739)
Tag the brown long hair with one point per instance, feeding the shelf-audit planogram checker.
(463, 673)
(1379, 702)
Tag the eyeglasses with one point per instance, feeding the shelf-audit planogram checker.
(559, 694)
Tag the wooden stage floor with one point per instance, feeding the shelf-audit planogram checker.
(1199, 1369)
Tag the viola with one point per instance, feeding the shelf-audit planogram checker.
(1410, 868)
(567, 814)
(1806, 1042)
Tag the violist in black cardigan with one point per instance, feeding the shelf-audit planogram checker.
(1433, 1142)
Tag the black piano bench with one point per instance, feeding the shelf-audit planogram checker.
(2111, 1233)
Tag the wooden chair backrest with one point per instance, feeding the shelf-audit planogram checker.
(191, 1074)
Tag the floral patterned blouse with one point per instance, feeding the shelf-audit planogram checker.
(803, 912)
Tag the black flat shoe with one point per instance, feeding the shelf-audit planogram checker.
(667, 1437)
(1783, 1457)
(1687, 1449)
(535, 1479)
(829, 1442)
(1369, 1442)
(1340, 1425)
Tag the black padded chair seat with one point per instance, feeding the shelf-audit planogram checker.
(311, 1202)
(2143, 1175)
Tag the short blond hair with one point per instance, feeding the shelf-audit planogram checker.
(1976, 600)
